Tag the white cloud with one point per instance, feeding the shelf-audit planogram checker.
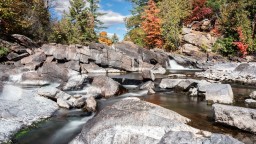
(112, 18)
(109, 19)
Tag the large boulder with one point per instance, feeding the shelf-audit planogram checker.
(52, 71)
(92, 68)
(148, 75)
(242, 118)
(131, 120)
(108, 86)
(199, 39)
(169, 83)
(38, 57)
(17, 113)
(75, 82)
(174, 137)
(217, 93)
(24, 41)
(74, 65)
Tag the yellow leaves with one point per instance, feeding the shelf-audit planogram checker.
(103, 38)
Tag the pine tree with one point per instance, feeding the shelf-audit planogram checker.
(172, 14)
(115, 38)
(82, 22)
(151, 25)
(94, 6)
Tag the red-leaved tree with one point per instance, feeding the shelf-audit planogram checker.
(151, 25)
(199, 12)
(241, 45)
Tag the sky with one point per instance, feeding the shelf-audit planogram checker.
(116, 11)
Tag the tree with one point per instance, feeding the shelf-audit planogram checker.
(93, 8)
(30, 18)
(235, 14)
(199, 12)
(82, 22)
(114, 38)
(172, 14)
(133, 23)
(103, 38)
(151, 25)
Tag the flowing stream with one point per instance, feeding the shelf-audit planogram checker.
(66, 124)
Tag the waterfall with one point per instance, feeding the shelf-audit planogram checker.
(175, 66)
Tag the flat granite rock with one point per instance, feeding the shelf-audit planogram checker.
(242, 118)
(132, 120)
(22, 111)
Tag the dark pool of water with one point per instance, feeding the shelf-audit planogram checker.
(200, 113)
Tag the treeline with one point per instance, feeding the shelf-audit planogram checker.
(32, 18)
(158, 23)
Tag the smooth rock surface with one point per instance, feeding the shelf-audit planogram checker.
(75, 82)
(242, 118)
(132, 120)
(22, 111)
(108, 86)
(174, 137)
(217, 93)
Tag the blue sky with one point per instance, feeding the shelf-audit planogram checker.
(116, 11)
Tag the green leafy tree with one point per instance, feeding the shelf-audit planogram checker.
(172, 14)
(234, 15)
(30, 18)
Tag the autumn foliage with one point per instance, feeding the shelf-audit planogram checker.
(103, 38)
(151, 25)
(241, 45)
(199, 12)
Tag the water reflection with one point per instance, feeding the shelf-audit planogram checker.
(199, 112)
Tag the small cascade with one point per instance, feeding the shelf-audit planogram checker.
(173, 65)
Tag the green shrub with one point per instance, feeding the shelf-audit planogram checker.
(3, 51)
(225, 46)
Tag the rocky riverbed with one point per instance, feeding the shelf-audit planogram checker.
(37, 81)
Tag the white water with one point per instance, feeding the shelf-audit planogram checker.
(69, 128)
(135, 94)
(173, 65)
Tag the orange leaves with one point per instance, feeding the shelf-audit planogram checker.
(151, 25)
(103, 38)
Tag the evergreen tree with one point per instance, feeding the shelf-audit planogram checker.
(82, 22)
(151, 25)
(115, 38)
(94, 6)
(172, 14)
